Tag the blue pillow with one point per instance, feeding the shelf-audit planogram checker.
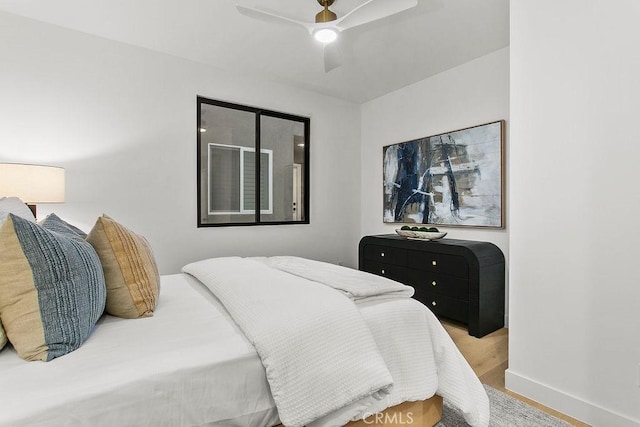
(52, 289)
(54, 223)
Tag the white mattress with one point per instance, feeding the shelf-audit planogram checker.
(139, 372)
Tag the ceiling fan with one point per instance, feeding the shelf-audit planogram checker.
(328, 26)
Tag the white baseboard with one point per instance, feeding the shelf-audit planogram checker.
(573, 406)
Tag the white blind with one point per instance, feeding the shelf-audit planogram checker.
(250, 181)
(224, 179)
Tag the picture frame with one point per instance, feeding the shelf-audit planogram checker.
(453, 179)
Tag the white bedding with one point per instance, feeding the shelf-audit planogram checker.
(188, 365)
(423, 360)
(356, 285)
(418, 352)
(318, 353)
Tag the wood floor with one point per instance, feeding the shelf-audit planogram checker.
(488, 356)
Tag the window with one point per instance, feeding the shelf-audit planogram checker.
(235, 187)
(232, 180)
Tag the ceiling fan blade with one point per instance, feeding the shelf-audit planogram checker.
(332, 56)
(372, 10)
(265, 15)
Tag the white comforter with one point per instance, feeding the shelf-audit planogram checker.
(357, 285)
(318, 353)
(418, 353)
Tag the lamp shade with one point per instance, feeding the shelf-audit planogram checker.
(32, 183)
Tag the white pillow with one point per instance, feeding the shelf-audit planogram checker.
(15, 206)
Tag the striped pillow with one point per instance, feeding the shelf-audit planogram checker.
(52, 289)
(130, 271)
(53, 223)
(3, 218)
(3, 337)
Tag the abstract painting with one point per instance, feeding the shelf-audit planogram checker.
(452, 179)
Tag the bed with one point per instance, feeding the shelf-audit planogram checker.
(196, 362)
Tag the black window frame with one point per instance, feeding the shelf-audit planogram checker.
(259, 113)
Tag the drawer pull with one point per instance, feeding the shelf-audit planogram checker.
(433, 283)
(382, 254)
(382, 271)
(434, 262)
(433, 303)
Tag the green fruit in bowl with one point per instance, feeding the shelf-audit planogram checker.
(415, 229)
(433, 230)
(405, 227)
(424, 229)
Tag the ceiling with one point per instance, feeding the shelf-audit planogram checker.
(378, 57)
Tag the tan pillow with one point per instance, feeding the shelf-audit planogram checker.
(130, 271)
(3, 337)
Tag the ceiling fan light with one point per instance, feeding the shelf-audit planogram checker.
(326, 35)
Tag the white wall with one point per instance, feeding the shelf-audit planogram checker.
(122, 121)
(474, 93)
(575, 281)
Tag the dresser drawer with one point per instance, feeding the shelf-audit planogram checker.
(385, 254)
(451, 265)
(455, 287)
(444, 306)
(390, 271)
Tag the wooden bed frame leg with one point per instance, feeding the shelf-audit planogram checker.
(424, 413)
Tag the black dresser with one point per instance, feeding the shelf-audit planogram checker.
(458, 279)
